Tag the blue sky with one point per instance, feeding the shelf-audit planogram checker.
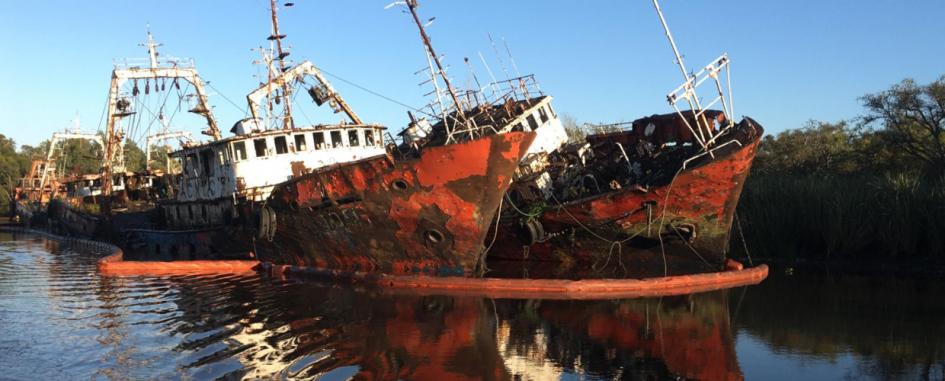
(602, 60)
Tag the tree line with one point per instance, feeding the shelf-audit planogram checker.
(871, 187)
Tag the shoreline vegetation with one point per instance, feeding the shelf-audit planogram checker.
(863, 193)
(869, 191)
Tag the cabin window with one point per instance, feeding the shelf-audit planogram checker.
(542, 114)
(336, 139)
(281, 146)
(318, 139)
(191, 164)
(369, 138)
(260, 146)
(553, 115)
(532, 123)
(206, 157)
(353, 138)
(300, 142)
(223, 155)
(239, 151)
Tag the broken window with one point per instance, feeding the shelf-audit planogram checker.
(368, 138)
(281, 146)
(260, 146)
(239, 151)
(336, 139)
(542, 114)
(353, 138)
(191, 165)
(223, 155)
(206, 159)
(532, 123)
(318, 140)
(300, 142)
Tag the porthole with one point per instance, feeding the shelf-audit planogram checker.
(399, 184)
(433, 236)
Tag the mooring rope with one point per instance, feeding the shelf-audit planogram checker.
(741, 234)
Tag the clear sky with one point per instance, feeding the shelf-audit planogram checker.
(602, 60)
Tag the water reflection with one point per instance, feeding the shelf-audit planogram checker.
(62, 320)
(833, 326)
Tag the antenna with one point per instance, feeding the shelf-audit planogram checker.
(512, 59)
(493, 85)
(497, 56)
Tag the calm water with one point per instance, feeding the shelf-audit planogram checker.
(60, 320)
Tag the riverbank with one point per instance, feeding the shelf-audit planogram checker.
(875, 224)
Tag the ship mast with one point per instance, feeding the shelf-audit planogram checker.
(284, 77)
(287, 122)
(412, 5)
(672, 42)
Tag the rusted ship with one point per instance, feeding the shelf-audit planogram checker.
(333, 195)
(675, 176)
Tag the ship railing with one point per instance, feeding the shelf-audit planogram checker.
(694, 117)
(521, 88)
(524, 88)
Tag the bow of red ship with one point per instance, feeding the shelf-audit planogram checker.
(426, 215)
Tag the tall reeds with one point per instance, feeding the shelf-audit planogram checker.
(887, 217)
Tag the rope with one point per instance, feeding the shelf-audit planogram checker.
(659, 233)
(741, 234)
(613, 243)
(482, 256)
(524, 214)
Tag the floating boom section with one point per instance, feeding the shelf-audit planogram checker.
(321, 92)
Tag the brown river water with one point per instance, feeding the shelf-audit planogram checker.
(59, 319)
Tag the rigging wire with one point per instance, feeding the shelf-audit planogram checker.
(220, 93)
(300, 109)
(382, 96)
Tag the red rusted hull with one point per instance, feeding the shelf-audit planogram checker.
(702, 198)
(427, 215)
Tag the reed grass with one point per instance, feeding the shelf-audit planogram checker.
(891, 217)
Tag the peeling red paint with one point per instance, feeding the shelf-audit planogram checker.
(426, 215)
(703, 196)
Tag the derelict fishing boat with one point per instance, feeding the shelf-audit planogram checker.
(676, 176)
(409, 210)
(331, 195)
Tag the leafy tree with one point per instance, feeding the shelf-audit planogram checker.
(10, 170)
(134, 157)
(571, 127)
(912, 119)
(817, 148)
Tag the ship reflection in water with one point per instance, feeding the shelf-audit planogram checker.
(61, 320)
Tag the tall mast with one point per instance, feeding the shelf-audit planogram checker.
(287, 122)
(672, 43)
(412, 5)
(152, 51)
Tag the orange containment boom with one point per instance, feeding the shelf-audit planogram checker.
(115, 265)
(503, 288)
